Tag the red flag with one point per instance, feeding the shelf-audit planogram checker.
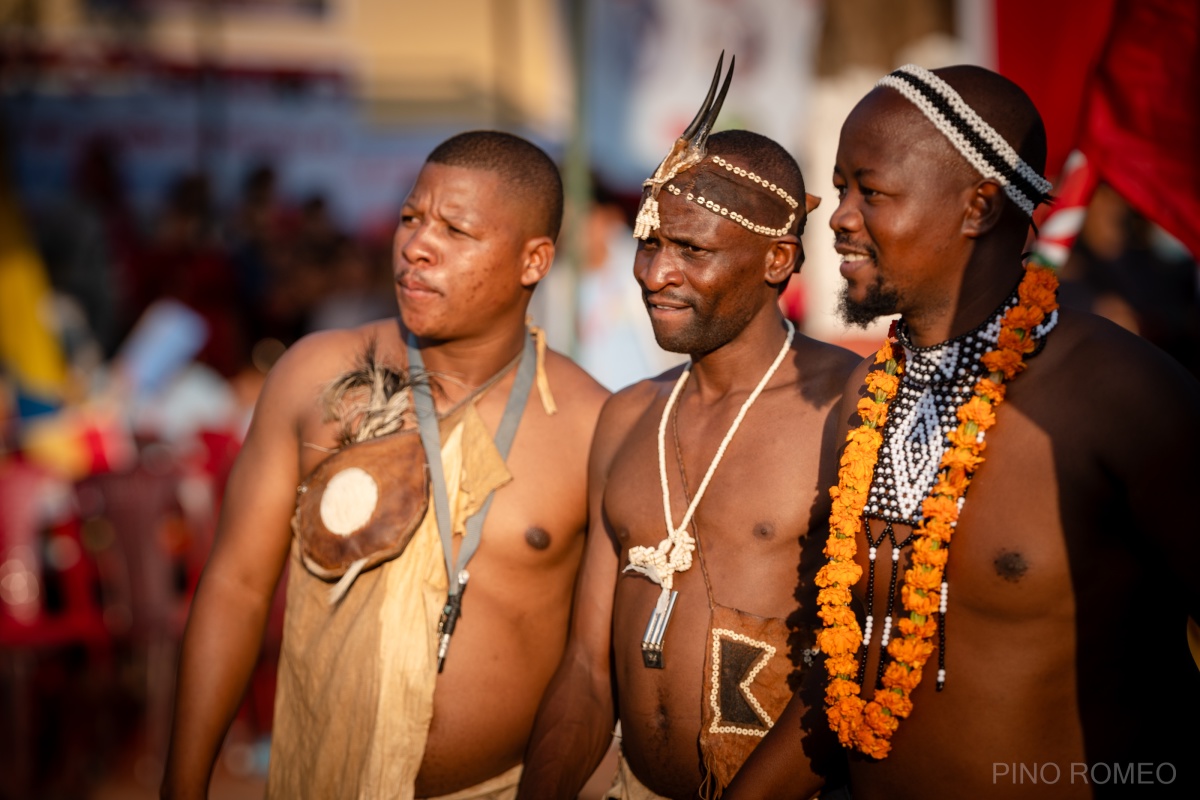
(1141, 119)
(1050, 51)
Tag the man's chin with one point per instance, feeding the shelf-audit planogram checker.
(875, 304)
(673, 345)
(672, 339)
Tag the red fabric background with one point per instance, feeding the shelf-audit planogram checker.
(1119, 80)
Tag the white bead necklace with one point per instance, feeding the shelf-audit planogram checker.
(674, 553)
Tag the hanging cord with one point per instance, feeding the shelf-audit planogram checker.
(695, 525)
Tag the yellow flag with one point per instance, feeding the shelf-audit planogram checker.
(29, 349)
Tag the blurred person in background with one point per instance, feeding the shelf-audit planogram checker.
(1130, 271)
(89, 243)
(254, 235)
(184, 260)
(358, 293)
(394, 680)
(616, 342)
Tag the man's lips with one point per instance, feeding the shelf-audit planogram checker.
(853, 260)
(662, 305)
(415, 287)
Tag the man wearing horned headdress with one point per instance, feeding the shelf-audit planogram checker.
(1012, 557)
(432, 511)
(703, 484)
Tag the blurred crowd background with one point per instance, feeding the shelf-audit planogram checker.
(188, 186)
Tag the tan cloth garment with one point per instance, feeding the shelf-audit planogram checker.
(354, 698)
(626, 786)
(501, 787)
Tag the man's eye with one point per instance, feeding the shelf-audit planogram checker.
(840, 190)
(408, 219)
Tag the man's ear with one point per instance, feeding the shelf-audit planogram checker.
(539, 255)
(811, 201)
(984, 209)
(783, 258)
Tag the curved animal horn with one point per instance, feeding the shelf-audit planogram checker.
(700, 135)
(694, 125)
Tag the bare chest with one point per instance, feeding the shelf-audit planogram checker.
(1038, 526)
(537, 511)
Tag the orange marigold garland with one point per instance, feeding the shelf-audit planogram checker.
(868, 726)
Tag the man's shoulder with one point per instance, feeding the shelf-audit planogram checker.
(570, 379)
(1084, 344)
(1106, 372)
(625, 409)
(647, 388)
(821, 372)
(314, 360)
(626, 405)
(825, 361)
(333, 349)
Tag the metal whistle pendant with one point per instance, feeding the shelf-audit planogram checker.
(449, 617)
(656, 629)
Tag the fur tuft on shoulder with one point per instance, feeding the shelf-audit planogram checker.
(370, 401)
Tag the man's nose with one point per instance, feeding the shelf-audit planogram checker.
(846, 216)
(415, 244)
(655, 270)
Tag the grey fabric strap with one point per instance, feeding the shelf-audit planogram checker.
(431, 441)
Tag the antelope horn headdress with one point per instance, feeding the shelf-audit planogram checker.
(688, 151)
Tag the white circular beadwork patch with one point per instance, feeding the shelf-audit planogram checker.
(349, 500)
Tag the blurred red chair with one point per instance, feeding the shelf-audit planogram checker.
(48, 600)
(143, 541)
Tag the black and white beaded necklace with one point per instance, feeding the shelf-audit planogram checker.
(936, 381)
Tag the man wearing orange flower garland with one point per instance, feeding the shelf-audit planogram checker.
(732, 453)
(1009, 664)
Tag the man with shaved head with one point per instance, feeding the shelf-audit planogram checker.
(1010, 565)
(399, 463)
(704, 483)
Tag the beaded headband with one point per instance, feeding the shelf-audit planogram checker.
(716, 207)
(977, 141)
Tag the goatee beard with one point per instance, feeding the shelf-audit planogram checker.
(879, 302)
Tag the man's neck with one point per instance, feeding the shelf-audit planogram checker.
(465, 364)
(983, 289)
(739, 365)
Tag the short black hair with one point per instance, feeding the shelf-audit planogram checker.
(524, 167)
(768, 156)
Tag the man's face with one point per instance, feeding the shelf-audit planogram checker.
(458, 254)
(702, 277)
(901, 195)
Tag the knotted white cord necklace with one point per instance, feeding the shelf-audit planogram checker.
(674, 553)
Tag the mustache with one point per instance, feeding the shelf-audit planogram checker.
(651, 298)
(843, 240)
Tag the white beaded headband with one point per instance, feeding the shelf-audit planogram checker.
(984, 148)
(737, 217)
